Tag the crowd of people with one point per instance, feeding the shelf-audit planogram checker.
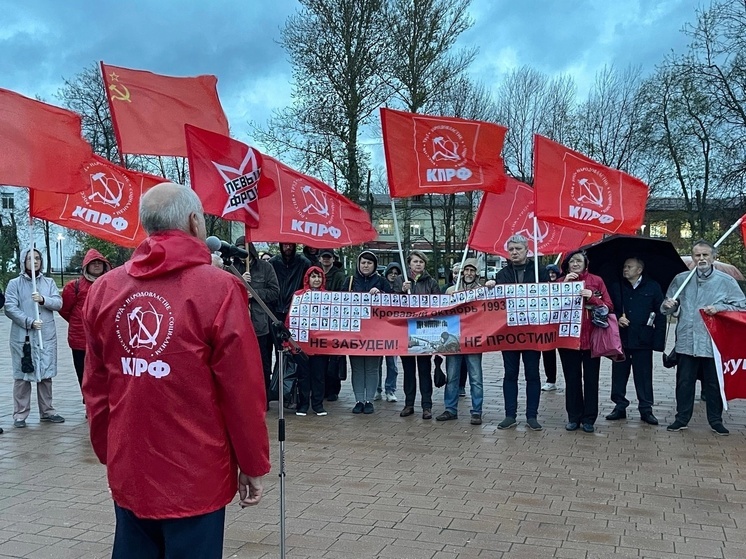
(148, 342)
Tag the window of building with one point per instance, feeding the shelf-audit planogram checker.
(659, 229)
(415, 230)
(385, 227)
(6, 201)
(686, 231)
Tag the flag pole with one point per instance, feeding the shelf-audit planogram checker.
(717, 244)
(536, 249)
(30, 253)
(398, 237)
(558, 259)
(461, 268)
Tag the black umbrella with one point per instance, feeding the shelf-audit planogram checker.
(606, 258)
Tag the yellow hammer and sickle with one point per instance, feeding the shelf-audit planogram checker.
(120, 94)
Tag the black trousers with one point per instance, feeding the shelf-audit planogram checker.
(311, 383)
(336, 367)
(418, 366)
(549, 358)
(581, 384)
(172, 538)
(265, 351)
(640, 362)
(79, 364)
(686, 377)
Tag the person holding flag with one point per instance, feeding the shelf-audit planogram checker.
(520, 270)
(712, 291)
(417, 282)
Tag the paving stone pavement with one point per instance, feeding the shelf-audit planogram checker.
(364, 486)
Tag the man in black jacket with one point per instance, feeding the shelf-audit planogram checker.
(520, 270)
(642, 329)
(290, 268)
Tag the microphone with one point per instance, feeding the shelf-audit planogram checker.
(226, 249)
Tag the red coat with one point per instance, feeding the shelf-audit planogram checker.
(595, 284)
(173, 382)
(73, 298)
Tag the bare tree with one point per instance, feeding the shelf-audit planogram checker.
(336, 48)
(529, 103)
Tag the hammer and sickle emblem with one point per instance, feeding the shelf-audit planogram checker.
(122, 94)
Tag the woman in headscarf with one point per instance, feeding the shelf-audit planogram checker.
(580, 369)
(20, 299)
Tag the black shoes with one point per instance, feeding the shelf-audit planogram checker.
(649, 418)
(427, 413)
(676, 426)
(476, 419)
(359, 407)
(719, 429)
(407, 411)
(332, 398)
(368, 408)
(446, 416)
(617, 414)
(588, 427)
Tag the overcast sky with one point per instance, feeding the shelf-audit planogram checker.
(44, 41)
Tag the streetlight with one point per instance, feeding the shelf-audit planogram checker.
(60, 238)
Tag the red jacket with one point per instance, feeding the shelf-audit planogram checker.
(595, 284)
(73, 297)
(173, 382)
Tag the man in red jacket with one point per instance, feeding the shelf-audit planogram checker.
(173, 387)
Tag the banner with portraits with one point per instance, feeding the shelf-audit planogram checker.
(535, 316)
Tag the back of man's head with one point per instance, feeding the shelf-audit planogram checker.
(167, 207)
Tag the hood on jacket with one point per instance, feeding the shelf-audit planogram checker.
(24, 254)
(252, 251)
(471, 262)
(368, 255)
(566, 261)
(165, 252)
(553, 268)
(307, 276)
(391, 266)
(91, 256)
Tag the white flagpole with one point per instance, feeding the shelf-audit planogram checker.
(536, 249)
(717, 244)
(33, 272)
(398, 239)
(461, 268)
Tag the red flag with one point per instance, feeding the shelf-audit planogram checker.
(40, 145)
(743, 228)
(441, 155)
(226, 175)
(575, 191)
(728, 330)
(305, 210)
(108, 208)
(512, 212)
(149, 111)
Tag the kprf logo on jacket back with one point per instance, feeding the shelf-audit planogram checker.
(144, 326)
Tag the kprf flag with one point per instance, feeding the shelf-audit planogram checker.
(106, 207)
(728, 331)
(441, 155)
(40, 145)
(304, 210)
(512, 213)
(226, 175)
(572, 190)
(149, 110)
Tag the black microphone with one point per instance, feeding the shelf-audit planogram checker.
(226, 249)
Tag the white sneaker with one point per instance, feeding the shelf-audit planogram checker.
(391, 397)
(377, 397)
(549, 386)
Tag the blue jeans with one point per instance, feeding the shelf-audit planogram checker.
(391, 375)
(453, 371)
(512, 362)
